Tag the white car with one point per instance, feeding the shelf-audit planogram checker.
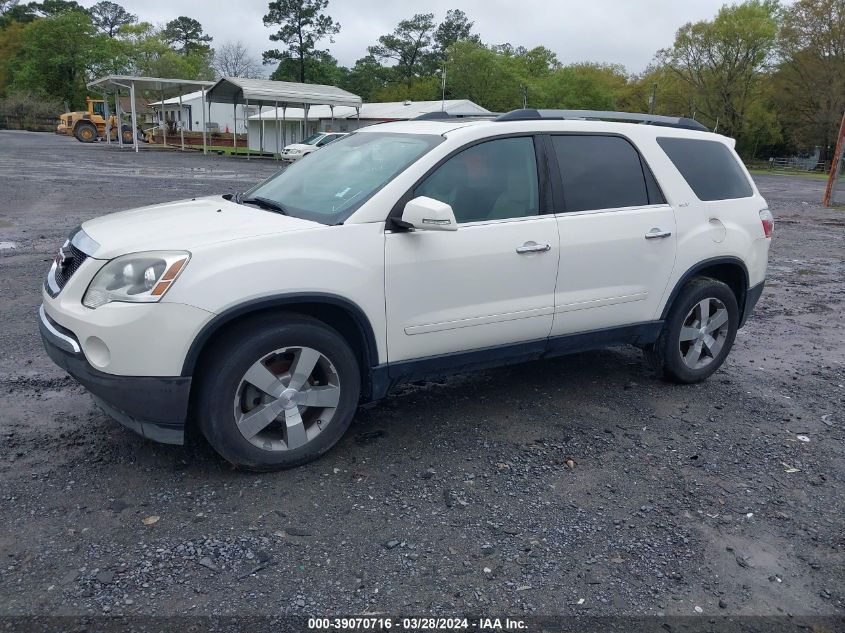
(295, 151)
(404, 251)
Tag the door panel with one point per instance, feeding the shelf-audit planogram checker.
(610, 273)
(469, 289)
(617, 236)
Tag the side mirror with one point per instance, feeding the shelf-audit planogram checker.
(427, 214)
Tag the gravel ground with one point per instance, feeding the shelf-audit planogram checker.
(582, 485)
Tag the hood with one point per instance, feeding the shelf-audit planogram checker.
(185, 225)
(299, 146)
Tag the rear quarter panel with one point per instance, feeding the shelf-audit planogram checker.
(708, 229)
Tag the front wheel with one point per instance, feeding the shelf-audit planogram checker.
(277, 392)
(85, 132)
(698, 333)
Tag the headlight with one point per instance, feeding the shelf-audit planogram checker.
(135, 278)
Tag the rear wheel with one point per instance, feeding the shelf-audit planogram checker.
(85, 132)
(698, 333)
(278, 391)
(126, 133)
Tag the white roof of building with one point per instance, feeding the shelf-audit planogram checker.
(121, 83)
(267, 91)
(388, 111)
(175, 100)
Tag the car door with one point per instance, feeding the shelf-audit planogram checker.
(492, 281)
(617, 234)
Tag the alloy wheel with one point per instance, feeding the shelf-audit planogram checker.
(703, 333)
(285, 399)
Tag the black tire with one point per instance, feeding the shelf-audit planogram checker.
(126, 133)
(225, 365)
(85, 132)
(665, 355)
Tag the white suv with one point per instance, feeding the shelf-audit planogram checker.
(403, 251)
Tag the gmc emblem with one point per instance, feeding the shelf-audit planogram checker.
(63, 259)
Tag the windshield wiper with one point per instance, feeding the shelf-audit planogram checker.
(266, 203)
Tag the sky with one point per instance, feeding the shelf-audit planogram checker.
(626, 32)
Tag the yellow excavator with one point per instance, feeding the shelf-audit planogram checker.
(89, 125)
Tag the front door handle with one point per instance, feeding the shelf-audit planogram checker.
(532, 247)
(655, 234)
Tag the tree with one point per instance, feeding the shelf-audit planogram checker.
(9, 7)
(11, 44)
(110, 16)
(365, 78)
(408, 47)
(723, 61)
(57, 56)
(584, 86)
(483, 75)
(147, 51)
(320, 68)
(49, 8)
(671, 95)
(302, 24)
(187, 34)
(456, 27)
(232, 59)
(14, 11)
(809, 84)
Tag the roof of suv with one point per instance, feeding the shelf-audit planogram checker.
(476, 128)
(544, 120)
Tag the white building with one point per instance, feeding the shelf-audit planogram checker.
(277, 127)
(219, 117)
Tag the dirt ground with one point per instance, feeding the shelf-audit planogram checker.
(448, 497)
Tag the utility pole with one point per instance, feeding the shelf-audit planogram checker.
(835, 166)
(443, 90)
(652, 98)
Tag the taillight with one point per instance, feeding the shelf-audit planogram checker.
(768, 221)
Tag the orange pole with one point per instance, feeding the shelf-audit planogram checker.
(834, 167)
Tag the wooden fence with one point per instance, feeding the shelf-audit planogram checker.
(33, 124)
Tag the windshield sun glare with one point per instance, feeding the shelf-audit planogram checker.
(330, 184)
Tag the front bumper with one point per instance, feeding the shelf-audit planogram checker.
(155, 407)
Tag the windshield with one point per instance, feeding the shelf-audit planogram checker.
(331, 184)
(312, 139)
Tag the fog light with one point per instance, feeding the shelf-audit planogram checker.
(97, 352)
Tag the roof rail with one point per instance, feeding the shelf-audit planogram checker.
(628, 117)
(440, 115)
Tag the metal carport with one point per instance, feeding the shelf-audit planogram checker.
(265, 92)
(114, 84)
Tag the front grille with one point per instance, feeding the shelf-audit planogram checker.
(72, 264)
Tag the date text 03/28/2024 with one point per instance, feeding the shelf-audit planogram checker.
(416, 624)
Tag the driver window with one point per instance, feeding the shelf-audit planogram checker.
(495, 180)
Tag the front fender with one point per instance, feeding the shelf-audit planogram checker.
(345, 262)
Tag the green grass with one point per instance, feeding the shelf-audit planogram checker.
(226, 150)
(815, 175)
(229, 150)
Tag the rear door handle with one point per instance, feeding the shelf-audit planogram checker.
(532, 247)
(655, 234)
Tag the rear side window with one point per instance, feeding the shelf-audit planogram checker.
(709, 167)
(600, 172)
